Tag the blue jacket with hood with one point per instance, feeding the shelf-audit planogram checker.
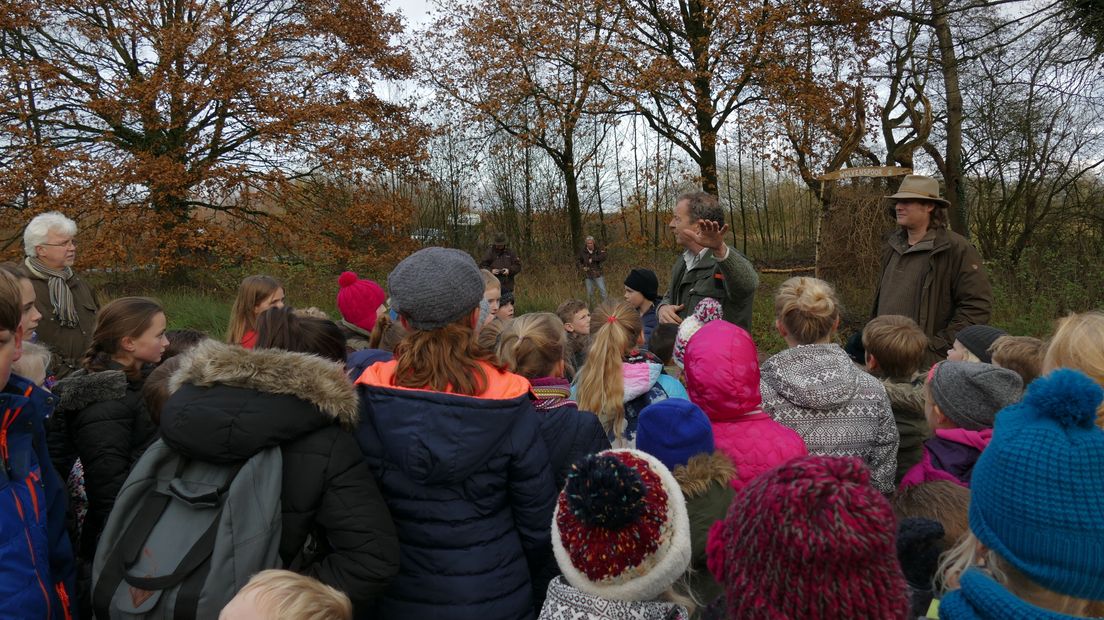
(37, 570)
(469, 486)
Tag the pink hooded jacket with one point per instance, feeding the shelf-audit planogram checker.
(722, 377)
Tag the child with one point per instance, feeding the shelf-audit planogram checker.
(33, 364)
(809, 539)
(972, 344)
(505, 310)
(1076, 344)
(619, 380)
(815, 389)
(662, 346)
(641, 292)
(576, 321)
(1021, 354)
(38, 570)
(181, 341)
(291, 391)
(1036, 511)
(722, 376)
(255, 295)
(532, 346)
(707, 310)
(27, 298)
(101, 413)
(622, 539)
(961, 401)
(361, 304)
(942, 501)
(487, 339)
(678, 433)
(492, 294)
(284, 595)
(457, 448)
(895, 347)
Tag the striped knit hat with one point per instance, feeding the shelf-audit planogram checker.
(809, 539)
(620, 530)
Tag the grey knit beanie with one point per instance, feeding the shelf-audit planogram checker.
(978, 338)
(434, 287)
(971, 393)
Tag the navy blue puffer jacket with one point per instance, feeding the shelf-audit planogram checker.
(469, 486)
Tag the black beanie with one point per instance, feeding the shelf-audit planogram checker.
(645, 282)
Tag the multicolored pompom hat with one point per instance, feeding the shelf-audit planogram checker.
(620, 530)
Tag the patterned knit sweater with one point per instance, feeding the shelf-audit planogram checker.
(838, 409)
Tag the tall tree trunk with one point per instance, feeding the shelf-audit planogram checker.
(952, 170)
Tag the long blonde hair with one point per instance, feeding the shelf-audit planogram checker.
(808, 308)
(969, 552)
(532, 345)
(614, 327)
(252, 291)
(1076, 344)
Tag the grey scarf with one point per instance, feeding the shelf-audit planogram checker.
(60, 295)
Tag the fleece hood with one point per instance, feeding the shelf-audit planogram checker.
(227, 403)
(438, 438)
(813, 376)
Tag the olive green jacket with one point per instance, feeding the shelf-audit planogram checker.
(731, 281)
(906, 396)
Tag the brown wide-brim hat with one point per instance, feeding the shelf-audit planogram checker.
(919, 187)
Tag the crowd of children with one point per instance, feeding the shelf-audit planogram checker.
(432, 454)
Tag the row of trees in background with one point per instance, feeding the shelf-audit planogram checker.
(183, 131)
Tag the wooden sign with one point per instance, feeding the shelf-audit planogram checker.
(864, 171)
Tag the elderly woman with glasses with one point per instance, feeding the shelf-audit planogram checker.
(67, 303)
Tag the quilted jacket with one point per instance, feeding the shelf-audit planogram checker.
(722, 377)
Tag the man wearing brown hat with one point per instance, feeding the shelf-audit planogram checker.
(502, 262)
(929, 273)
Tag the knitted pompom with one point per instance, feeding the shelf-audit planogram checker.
(347, 278)
(604, 492)
(919, 543)
(1068, 396)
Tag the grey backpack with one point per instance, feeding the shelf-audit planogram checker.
(186, 535)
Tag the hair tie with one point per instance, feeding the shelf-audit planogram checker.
(612, 318)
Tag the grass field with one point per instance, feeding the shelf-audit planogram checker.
(1020, 308)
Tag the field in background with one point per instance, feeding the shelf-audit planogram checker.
(1023, 305)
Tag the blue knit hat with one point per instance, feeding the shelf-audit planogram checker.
(1038, 489)
(674, 430)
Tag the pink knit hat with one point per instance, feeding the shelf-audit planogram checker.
(358, 300)
(809, 539)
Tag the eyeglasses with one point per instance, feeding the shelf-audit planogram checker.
(72, 243)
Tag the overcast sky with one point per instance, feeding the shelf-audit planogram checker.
(414, 11)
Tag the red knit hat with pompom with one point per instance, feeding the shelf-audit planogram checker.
(358, 300)
(810, 539)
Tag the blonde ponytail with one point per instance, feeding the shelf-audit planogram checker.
(532, 345)
(614, 327)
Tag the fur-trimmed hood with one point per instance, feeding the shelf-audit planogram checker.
(82, 389)
(702, 470)
(308, 377)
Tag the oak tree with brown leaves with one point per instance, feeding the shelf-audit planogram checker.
(140, 118)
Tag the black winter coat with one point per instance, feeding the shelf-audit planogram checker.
(570, 435)
(468, 482)
(101, 417)
(229, 403)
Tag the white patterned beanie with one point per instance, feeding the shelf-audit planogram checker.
(707, 310)
(620, 530)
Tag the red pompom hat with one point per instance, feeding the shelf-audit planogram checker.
(358, 300)
(810, 539)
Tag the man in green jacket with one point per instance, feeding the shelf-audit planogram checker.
(929, 273)
(708, 267)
